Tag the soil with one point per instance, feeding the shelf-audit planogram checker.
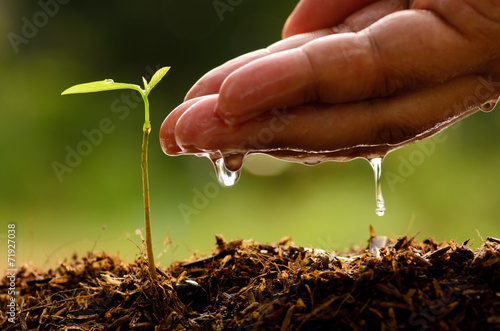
(392, 284)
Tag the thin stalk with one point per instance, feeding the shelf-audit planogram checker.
(110, 85)
(145, 190)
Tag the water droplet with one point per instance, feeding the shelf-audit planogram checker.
(488, 106)
(226, 177)
(376, 164)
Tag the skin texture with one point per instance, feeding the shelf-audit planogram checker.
(349, 79)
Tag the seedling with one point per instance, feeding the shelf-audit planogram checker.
(110, 85)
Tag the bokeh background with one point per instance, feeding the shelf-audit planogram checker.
(446, 187)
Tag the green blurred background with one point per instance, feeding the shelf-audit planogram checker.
(446, 187)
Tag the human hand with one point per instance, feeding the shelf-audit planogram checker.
(387, 73)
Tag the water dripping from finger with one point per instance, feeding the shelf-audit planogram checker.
(376, 164)
(228, 167)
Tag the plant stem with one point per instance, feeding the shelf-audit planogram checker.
(145, 190)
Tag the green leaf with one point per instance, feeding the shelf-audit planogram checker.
(103, 85)
(158, 76)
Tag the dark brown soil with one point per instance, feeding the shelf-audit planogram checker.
(393, 284)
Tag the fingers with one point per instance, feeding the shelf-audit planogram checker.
(318, 96)
(340, 132)
(376, 62)
(211, 82)
(312, 15)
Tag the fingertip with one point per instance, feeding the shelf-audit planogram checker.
(168, 145)
(167, 136)
(295, 23)
(198, 125)
(206, 85)
(168, 139)
(288, 27)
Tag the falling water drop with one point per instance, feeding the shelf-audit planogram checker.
(228, 168)
(376, 164)
(225, 176)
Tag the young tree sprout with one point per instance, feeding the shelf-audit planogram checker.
(110, 85)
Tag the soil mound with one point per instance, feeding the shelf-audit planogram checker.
(392, 284)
